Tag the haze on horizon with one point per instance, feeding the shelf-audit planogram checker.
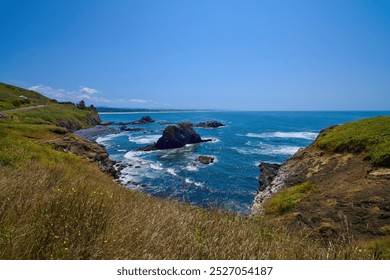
(223, 54)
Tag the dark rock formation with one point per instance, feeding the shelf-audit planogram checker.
(268, 173)
(209, 124)
(176, 136)
(205, 159)
(91, 120)
(143, 120)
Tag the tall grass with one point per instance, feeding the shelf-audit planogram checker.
(71, 210)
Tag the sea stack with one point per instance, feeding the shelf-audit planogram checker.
(176, 136)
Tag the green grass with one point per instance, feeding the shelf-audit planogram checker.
(65, 115)
(370, 137)
(9, 97)
(286, 199)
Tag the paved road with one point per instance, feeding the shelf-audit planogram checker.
(22, 109)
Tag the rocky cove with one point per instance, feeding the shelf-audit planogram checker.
(348, 197)
(56, 202)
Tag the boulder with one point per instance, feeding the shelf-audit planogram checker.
(268, 172)
(143, 120)
(209, 124)
(205, 159)
(176, 136)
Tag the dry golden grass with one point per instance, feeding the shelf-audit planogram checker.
(70, 210)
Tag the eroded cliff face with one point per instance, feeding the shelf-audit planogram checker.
(69, 143)
(350, 199)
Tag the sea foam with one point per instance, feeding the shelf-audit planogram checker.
(280, 134)
(144, 139)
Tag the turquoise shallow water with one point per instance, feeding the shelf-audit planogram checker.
(231, 182)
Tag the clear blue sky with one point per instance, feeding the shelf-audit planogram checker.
(243, 54)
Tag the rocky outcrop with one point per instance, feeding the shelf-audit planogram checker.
(205, 159)
(143, 120)
(267, 174)
(209, 124)
(176, 136)
(84, 149)
(350, 198)
(92, 119)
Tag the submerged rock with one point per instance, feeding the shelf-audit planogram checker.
(176, 136)
(209, 124)
(205, 159)
(125, 128)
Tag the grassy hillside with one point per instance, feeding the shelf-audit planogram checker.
(368, 136)
(10, 97)
(65, 115)
(55, 205)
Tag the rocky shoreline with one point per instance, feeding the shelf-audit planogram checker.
(174, 136)
(349, 197)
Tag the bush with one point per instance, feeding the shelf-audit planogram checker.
(17, 103)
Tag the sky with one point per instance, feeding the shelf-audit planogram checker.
(201, 54)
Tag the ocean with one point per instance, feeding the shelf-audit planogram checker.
(230, 183)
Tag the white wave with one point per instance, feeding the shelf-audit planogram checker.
(257, 163)
(213, 139)
(156, 166)
(172, 171)
(104, 139)
(191, 167)
(144, 139)
(188, 181)
(134, 155)
(173, 153)
(280, 134)
(269, 150)
(121, 150)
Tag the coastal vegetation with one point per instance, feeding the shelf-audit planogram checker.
(286, 199)
(370, 137)
(58, 205)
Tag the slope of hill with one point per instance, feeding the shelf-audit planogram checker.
(337, 188)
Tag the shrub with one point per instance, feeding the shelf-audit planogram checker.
(16, 103)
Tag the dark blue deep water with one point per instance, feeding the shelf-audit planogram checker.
(231, 182)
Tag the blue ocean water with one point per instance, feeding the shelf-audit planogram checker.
(230, 182)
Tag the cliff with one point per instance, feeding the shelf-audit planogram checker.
(53, 122)
(338, 187)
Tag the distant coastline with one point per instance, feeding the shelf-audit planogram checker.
(150, 112)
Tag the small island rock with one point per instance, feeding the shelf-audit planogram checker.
(176, 136)
(209, 124)
(205, 159)
(143, 120)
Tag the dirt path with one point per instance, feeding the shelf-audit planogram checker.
(22, 109)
